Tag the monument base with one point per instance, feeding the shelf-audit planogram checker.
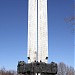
(36, 68)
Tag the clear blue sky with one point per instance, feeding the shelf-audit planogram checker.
(13, 32)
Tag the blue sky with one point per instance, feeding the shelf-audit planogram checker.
(13, 32)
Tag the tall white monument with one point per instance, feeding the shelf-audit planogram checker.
(37, 42)
(37, 31)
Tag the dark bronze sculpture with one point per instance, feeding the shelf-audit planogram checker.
(36, 67)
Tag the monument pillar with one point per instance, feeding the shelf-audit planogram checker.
(37, 31)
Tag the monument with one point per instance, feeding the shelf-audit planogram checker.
(37, 42)
(37, 31)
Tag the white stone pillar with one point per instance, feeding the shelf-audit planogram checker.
(32, 30)
(42, 31)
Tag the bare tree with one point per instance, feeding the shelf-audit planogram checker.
(71, 19)
(63, 69)
(10, 72)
